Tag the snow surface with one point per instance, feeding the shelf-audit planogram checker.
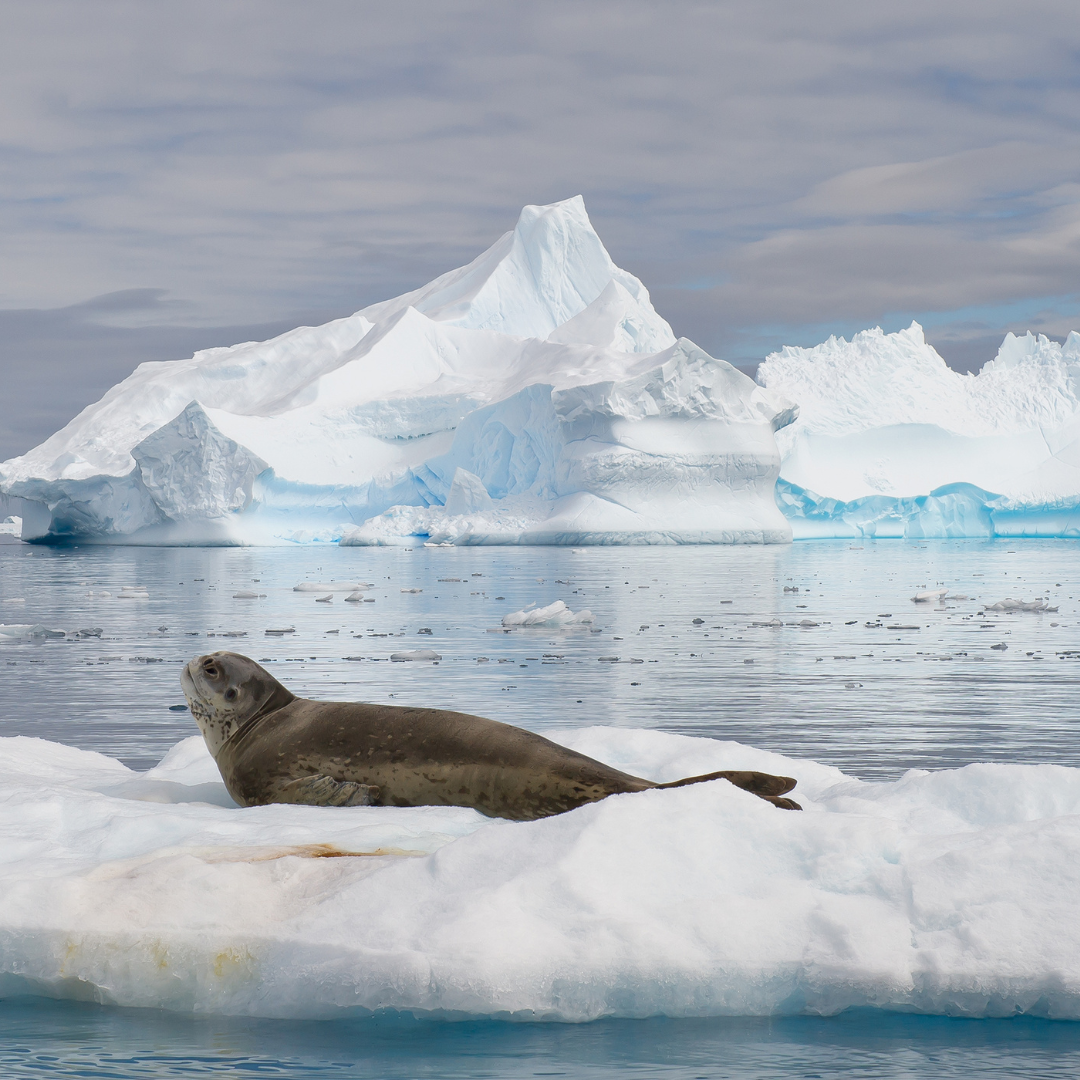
(890, 441)
(532, 396)
(948, 892)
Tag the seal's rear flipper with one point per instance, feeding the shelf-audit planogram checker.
(779, 800)
(326, 791)
(764, 785)
(760, 783)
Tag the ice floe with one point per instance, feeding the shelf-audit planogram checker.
(1009, 604)
(950, 892)
(329, 586)
(554, 615)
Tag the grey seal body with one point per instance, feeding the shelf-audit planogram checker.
(272, 746)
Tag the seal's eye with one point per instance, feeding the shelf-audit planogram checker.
(230, 694)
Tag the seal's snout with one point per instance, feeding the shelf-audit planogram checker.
(204, 674)
(224, 691)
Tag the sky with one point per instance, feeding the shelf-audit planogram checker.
(178, 176)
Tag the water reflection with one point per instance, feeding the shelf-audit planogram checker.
(872, 683)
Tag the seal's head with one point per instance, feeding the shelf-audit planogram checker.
(225, 691)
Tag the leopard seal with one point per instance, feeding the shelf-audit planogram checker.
(274, 747)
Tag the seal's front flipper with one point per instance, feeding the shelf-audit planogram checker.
(326, 791)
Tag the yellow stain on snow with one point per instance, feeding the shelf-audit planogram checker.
(160, 953)
(233, 961)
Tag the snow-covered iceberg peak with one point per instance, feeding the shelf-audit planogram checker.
(533, 395)
(550, 268)
(891, 441)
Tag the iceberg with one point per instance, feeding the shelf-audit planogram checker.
(532, 396)
(889, 441)
(950, 892)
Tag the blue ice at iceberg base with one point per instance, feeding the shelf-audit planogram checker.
(949, 512)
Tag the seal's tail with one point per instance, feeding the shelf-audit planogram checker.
(764, 785)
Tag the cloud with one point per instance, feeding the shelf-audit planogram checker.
(55, 362)
(766, 169)
(1010, 173)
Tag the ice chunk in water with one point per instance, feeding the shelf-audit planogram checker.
(27, 631)
(1009, 604)
(929, 595)
(556, 614)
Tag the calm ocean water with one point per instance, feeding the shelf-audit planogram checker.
(857, 675)
(73, 1040)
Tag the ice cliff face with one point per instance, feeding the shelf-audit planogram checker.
(889, 441)
(532, 396)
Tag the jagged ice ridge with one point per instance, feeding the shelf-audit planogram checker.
(890, 441)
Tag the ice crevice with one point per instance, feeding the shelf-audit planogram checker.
(950, 892)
